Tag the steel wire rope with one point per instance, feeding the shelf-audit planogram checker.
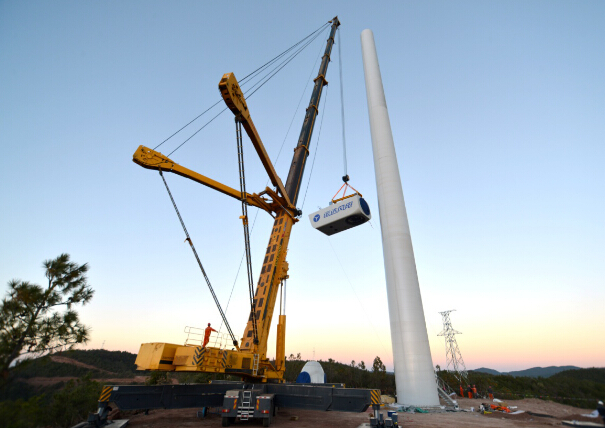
(342, 110)
(283, 64)
(278, 154)
(193, 120)
(280, 150)
(196, 132)
(276, 73)
(244, 217)
(243, 82)
(279, 67)
(199, 262)
(316, 148)
(309, 79)
(287, 50)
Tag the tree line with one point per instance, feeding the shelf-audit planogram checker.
(353, 375)
(580, 388)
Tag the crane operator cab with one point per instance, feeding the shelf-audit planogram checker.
(342, 214)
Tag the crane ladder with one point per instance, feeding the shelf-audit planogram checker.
(255, 362)
(245, 409)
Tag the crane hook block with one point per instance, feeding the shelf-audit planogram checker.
(345, 214)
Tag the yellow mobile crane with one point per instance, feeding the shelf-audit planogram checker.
(262, 388)
(248, 359)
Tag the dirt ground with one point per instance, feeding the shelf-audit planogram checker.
(311, 419)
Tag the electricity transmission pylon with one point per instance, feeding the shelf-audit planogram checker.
(452, 352)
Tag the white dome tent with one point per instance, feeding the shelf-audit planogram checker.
(312, 372)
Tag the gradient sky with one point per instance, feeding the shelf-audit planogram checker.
(498, 115)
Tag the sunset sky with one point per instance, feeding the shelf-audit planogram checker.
(498, 115)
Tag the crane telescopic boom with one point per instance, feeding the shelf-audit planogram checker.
(275, 267)
(301, 152)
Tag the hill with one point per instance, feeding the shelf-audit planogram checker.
(49, 374)
(486, 370)
(533, 372)
(542, 371)
(578, 387)
(593, 374)
(77, 363)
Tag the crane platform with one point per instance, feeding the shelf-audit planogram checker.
(322, 397)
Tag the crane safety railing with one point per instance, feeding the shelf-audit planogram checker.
(195, 337)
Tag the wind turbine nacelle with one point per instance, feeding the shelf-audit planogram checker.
(343, 215)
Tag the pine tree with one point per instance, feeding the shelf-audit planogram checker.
(30, 318)
(379, 373)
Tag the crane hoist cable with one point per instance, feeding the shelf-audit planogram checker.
(345, 177)
(243, 81)
(321, 123)
(218, 305)
(244, 217)
(309, 79)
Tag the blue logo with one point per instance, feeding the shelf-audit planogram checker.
(336, 210)
(316, 218)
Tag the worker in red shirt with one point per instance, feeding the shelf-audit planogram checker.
(461, 391)
(207, 333)
(474, 389)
